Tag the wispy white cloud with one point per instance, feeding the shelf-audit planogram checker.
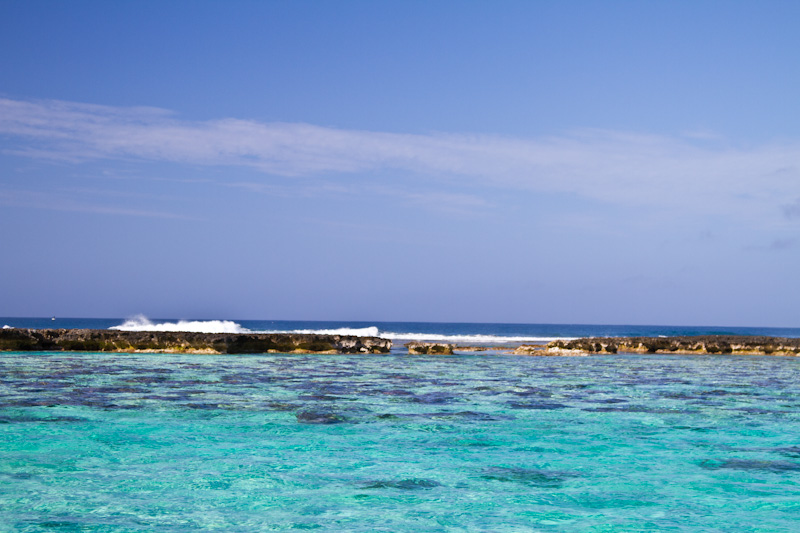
(453, 202)
(610, 166)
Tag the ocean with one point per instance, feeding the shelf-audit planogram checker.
(472, 442)
(398, 332)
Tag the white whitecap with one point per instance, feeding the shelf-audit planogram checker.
(475, 339)
(142, 323)
(373, 331)
(8, 327)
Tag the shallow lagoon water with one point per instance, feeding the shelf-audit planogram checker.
(145, 442)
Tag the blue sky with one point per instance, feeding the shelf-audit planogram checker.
(557, 162)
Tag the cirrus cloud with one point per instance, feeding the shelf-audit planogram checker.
(606, 165)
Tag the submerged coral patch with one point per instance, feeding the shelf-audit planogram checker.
(537, 405)
(404, 484)
(319, 417)
(527, 476)
(750, 464)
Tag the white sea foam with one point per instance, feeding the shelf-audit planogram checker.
(373, 331)
(8, 327)
(357, 332)
(472, 339)
(142, 323)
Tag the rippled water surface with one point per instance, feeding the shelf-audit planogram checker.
(156, 442)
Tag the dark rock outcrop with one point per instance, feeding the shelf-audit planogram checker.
(430, 348)
(96, 340)
(704, 344)
(541, 349)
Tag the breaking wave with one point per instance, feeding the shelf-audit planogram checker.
(476, 339)
(373, 331)
(357, 332)
(142, 323)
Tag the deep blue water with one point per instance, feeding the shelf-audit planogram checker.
(403, 331)
(177, 443)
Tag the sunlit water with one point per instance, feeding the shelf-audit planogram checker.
(155, 442)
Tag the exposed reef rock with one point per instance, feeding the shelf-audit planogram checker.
(706, 344)
(97, 340)
(430, 348)
(540, 349)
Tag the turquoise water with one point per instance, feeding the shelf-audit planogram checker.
(158, 442)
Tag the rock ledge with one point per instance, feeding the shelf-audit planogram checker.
(103, 340)
(704, 344)
(430, 348)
